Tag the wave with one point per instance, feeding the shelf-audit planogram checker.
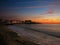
(55, 34)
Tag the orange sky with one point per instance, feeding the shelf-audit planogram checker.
(50, 21)
(44, 11)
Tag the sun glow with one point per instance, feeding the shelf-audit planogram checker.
(49, 19)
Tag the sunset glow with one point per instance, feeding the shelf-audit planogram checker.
(43, 11)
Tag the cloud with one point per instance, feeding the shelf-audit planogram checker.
(35, 6)
(57, 0)
(18, 7)
(33, 1)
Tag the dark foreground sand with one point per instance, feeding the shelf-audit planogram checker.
(11, 38)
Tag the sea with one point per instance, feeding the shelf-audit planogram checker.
(38, 33)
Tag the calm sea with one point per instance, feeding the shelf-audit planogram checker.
(51, 29)
(46, 27)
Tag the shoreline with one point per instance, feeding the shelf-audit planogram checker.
(37, 37)
(11, 38)
(54, 34)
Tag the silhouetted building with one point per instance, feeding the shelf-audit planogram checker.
(31, 22)
(23, 22)
(0, 21)
(28, 21)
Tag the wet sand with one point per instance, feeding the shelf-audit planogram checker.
(35, 36)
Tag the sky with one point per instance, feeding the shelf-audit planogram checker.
(44, 11)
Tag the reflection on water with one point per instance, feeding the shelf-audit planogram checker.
(36, 36)
(48, 27)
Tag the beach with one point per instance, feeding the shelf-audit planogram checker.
(8, 37)
(38, 37)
